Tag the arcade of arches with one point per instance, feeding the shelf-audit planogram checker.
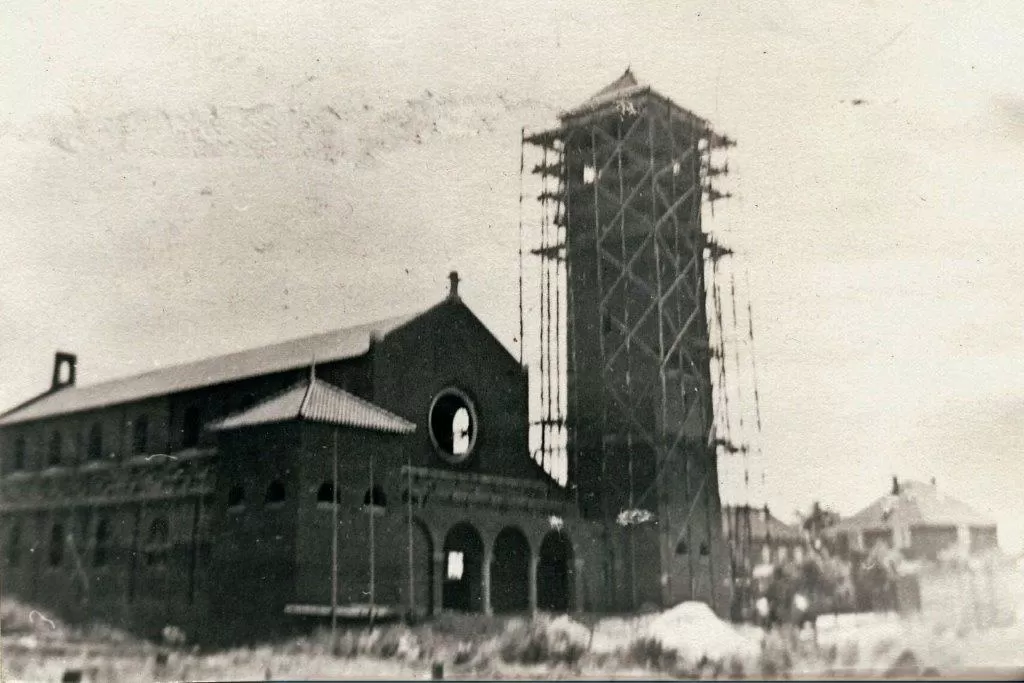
(506, 577)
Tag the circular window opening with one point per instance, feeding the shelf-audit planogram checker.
(453, 425)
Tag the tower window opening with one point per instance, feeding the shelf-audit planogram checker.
(589, 174)
(275, 493)
(453, 425)
(325, 494)
(375, 498)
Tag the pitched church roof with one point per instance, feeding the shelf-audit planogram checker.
(916, 504)
(314, 400)
(349, 342)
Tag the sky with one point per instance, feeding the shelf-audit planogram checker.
(183, 179)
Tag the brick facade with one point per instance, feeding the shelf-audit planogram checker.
(151, 532)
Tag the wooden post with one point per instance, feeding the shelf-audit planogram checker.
(408, 509)
(440, 558)
(372, 510)
(334, 544)
(534, 563)
(486, 583)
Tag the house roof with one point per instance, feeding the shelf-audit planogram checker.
(314, 400)
(763, 524)
(340, 344)
(916, 504)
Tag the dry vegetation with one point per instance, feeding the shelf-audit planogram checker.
(684, 642)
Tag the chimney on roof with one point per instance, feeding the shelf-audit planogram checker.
(895, 486)
(453, 289)
(933, 482)
(63, 370)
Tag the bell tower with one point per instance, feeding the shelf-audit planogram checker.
(625, 395)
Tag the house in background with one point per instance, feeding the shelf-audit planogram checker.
(756, 536)
(919, 521)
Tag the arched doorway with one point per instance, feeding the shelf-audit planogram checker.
(510, 572)
(463, 569)
(555, 573)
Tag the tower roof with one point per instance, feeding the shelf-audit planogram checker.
(624, 82)
(622, 87)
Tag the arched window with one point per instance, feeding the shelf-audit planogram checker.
(191, 426)
(13, 551)
(157, 543)
(56, 444)
(95, 447)
(275, 493)
(140, 435)
(101, 549)
(236, 498)
(326, 493)
(19, 454)
(453, 425)
(56, 544)
(375, 498)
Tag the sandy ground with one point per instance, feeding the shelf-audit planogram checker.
(940, 642)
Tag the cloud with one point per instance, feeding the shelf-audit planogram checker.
(357, 129)
(1010, 110)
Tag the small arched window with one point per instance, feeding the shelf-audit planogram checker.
(13, 550)
(56, 544)
(140, 435)
(101, 549)
(326, 493)
(55, 455)
(157, 543)
(375, 497)
(236, 498)
(191, 426)
(275, 493)
(95, 447)
(19, 454)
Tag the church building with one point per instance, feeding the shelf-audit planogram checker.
(204, 495)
